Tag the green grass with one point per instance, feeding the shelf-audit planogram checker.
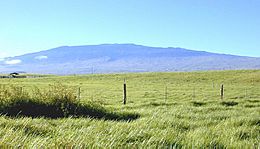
(57, 102)
(192, 115)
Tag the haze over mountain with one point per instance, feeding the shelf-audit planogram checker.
(112, 58)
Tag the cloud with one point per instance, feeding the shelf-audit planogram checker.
(13, 62)
(41, 57)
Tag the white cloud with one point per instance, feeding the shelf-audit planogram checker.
(41, 57)
(13, 62)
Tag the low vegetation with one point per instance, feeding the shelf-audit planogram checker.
(57, 102)
(175, 110)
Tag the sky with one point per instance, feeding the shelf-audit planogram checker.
(220, 26)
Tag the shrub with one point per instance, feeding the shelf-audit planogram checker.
(57, 102)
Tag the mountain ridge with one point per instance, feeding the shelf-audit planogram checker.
(113, 58)
(65, 46)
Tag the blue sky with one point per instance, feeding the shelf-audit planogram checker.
(222, 26)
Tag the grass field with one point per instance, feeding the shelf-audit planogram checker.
(172, 110)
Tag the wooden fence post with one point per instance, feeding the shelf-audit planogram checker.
(222, 92)
(124, 99)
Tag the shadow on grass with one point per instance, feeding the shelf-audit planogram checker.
(255, 122)
(156, 104)
(251, 106)
(150, 105)
(229, 103)
(25, 108)
(253, 101)
(198, 104)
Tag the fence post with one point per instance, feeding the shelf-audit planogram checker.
(222, 92)
(124, 99)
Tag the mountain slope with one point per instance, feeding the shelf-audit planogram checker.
(108, 58)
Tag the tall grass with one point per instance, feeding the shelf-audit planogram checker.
(57, 101)
(56, 94)
(181, 121)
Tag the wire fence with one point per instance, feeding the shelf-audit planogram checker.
(149, 91)
(170, 93)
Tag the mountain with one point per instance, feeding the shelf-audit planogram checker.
(111, 58)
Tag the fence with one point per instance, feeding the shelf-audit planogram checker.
(169, 93)
(116, 92)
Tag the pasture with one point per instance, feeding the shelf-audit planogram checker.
(163, 110)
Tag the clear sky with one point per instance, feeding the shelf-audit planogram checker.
(222, 26)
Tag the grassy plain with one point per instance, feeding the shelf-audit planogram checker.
(189, 113)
